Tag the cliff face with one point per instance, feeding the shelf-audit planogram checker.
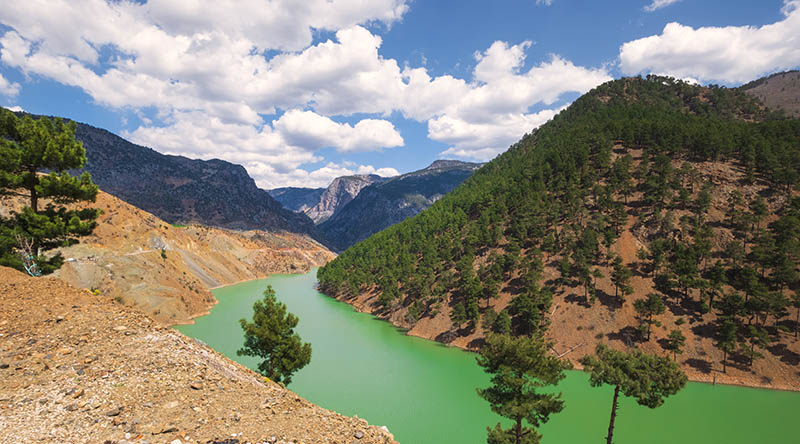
(386, 203)
(182, 190)
(78, 367)
(321, 203)
(297, 199)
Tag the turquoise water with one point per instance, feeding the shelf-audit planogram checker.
(424, 392)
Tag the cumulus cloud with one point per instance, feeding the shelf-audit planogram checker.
(658, 4)
(213, 71)
(7, 88)
(544, 2)
(731, 54)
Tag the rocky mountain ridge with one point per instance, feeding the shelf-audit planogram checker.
(332, 199)
(780, 91)
(182, 190)
(388, 202)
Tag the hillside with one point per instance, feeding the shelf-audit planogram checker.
(779, 91)
(79, 368)
(386, 203)
(122, 260)
(642, 190)
(181, 190)
(332, 199)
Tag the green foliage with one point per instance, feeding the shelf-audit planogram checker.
(647, 378)
(28, 149)
(675, 342)
(520, 367)
(271, 336)
(646, 308)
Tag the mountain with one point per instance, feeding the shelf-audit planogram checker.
(647, 210)
(388, 202)
(779, 91)
(182, 190)
(297, 199)
(332, 199)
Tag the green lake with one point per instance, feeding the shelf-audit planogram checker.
(424, 392)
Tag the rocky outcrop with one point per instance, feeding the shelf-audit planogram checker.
(383, 204)
(76, 367)
(338, 194)
(297, 199)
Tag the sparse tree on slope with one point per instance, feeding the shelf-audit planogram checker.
(519, 367)
(647, 308)
(648, 378)
(271, 336)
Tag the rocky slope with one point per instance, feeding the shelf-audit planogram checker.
(182, 190)
(386, 203)
(297, 199)
(779, 91)
(123, 260)
(79, 368)
(330, 201)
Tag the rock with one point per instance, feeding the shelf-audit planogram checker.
(78, 394)
(114, 412)
(3, 365)
(197, 385)
(176, 441)
(120, 328)
(358, 434)
(71, 408)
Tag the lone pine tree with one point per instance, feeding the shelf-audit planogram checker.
(648, 378)
(271, 336)
(519, 367)
(35, 156)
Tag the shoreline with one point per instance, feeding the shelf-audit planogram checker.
(694, 377)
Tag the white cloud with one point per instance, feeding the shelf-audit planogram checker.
(731, 54)
(308, 129)
(8, 88)
(212, 71)
(544, 2)
(658, 4)
(16, 109)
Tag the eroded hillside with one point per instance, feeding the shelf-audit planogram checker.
(77, 367)
(167, 271)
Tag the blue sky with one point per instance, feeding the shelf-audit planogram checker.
(302, 92)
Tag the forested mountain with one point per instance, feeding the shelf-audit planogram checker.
(182, 190)
(328, 201)
(651, 212)
(390, 201)
(779, 91)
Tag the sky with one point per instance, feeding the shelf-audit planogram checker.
(301, 92)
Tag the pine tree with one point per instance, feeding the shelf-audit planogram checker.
(621, 278)
(29, 148)
(520, 366)
(675, 342)
(271, 336)
(648, 378)
(646, 308)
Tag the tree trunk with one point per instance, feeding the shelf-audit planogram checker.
(518, 431)
(724, 361)
(613, 415)
(797, 322)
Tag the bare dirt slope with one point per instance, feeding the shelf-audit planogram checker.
(123, 259)
(79, 368)
(576, 326)
(779, 92)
